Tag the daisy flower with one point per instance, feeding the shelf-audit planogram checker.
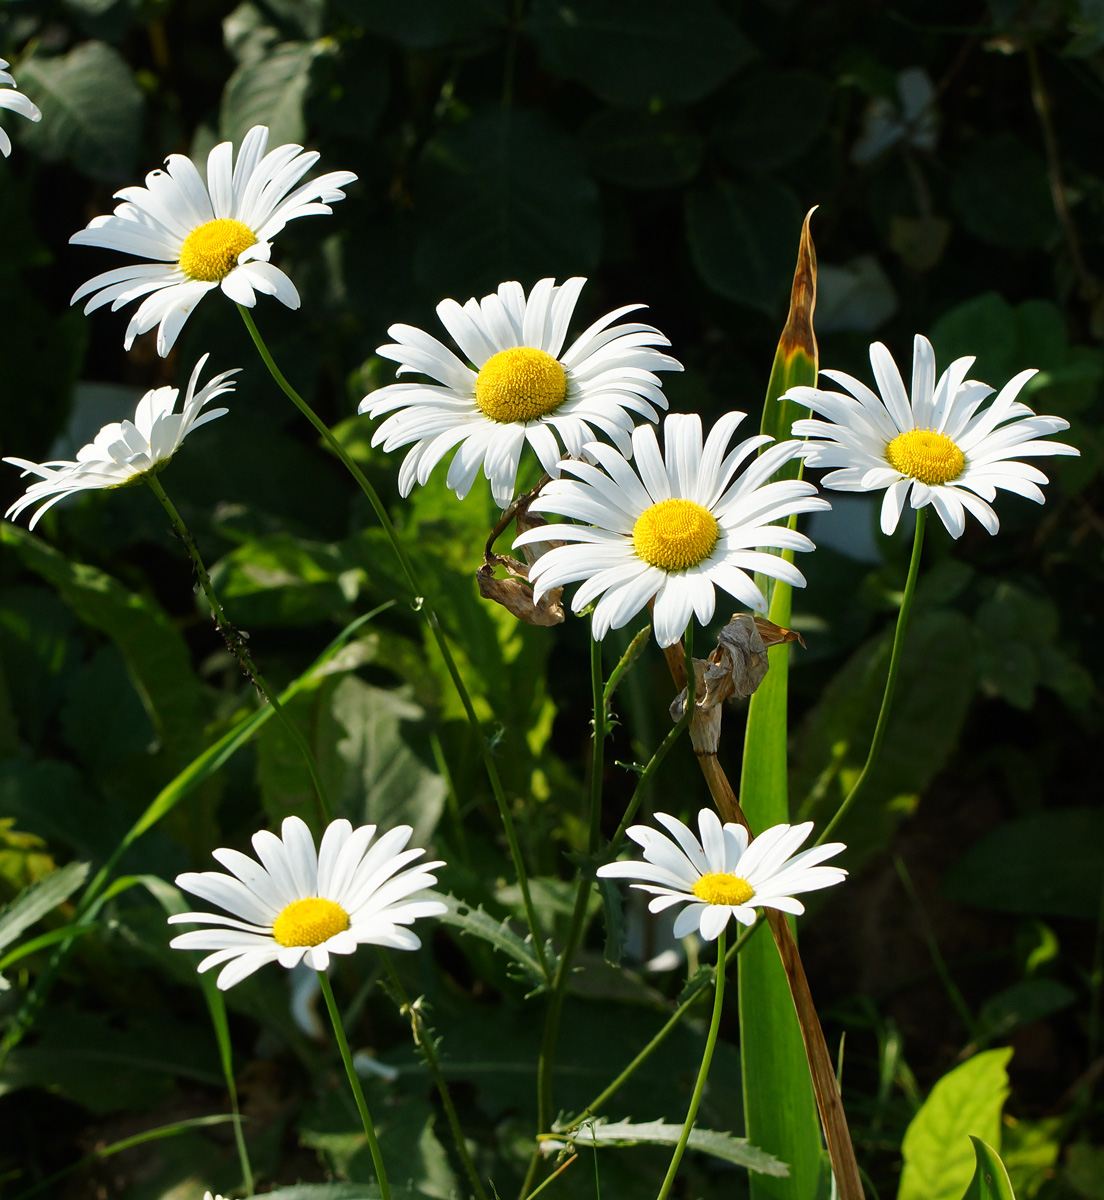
(17, 102)
(297, 905)
(123, 452)
(722, 876)
(941, 444)
(198, 236)
(521, 386)
(671, 529)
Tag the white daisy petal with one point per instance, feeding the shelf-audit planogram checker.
(671, 527)
(298, 905)
(520, 388)
(934, 447)
(206, 234)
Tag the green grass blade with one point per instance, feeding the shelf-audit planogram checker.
(780, 1109)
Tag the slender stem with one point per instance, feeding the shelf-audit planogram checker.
(583, 885)
(603, 1097)
(891, 681)
(703, 1071)
(430, 615)
(423, 1039)
(632, 653)
(235, 643)
(646, 776)
(354, 1083)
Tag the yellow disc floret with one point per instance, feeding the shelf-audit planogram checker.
(926, 455)
(309, 922)
(520, 384)
(675, 535)
(210, 252)
(719, 887)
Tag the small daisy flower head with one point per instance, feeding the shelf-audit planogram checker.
(195, 236)
(939, 444)
(298, 905)
(517, 386)
(17, 102)
(722, 876)
(671, 527)
(124, 451)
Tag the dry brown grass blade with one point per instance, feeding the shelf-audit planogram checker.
(829, 1103)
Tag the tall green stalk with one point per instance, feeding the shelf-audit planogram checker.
(430, 615)
(703, 1071)
(891, 681)
(235, 643)
(354, 1083)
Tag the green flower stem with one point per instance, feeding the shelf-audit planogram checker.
(602, 1099)
(235, 643)
(703, 1071)
(431, 617)
(891, 681)
(423, 1039)
(632, 653)
(645, 779)
(546, 1063)
(354, 1083)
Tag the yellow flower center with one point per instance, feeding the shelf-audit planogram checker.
(210, 252)
(519, 384)
(926, 455)
(675, 534)
(718, 887)
(309, 922)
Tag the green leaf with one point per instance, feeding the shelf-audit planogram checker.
(1030, 1150)
(480, 924)
(774, 118)
(1085, 1170)
(40, 898)
(156, 655)
(990, 1181)
(1045, 863)
(91, 110)
(742, 238)
(639, 149)
(1001, 194)
(634, 51)
(735, 1150)
(489, 211)
(333, 1191)
(1022, 1003)
(429, 24)
(967, 1102)
(269, 91)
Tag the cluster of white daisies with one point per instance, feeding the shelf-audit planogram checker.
(645, 526)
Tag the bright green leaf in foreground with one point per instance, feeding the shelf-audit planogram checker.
(965, 1103)
(37, 900)
(990, 1181)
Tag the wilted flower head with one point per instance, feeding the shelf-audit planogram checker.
(124, 451)
(198, 236)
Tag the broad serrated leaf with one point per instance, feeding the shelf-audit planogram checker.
(990, 1181)
(480, 924)
(629, 51)
(91, 109)
(36, 901)
(269, 90)
(965, 1103)
(731, 1149)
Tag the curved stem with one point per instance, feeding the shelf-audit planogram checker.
(431, 618)
(425, 1044)
(235, 643)
(354, 1083)
(577, 923)
(703, 1071)
(646, 776)
(891, 681)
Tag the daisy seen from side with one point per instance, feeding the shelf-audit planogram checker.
(13, 99)
(519, 385)
(123, 452)
(722, 876)
(195, 236)
(941, 446)
(301, 905)
(671, 527)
